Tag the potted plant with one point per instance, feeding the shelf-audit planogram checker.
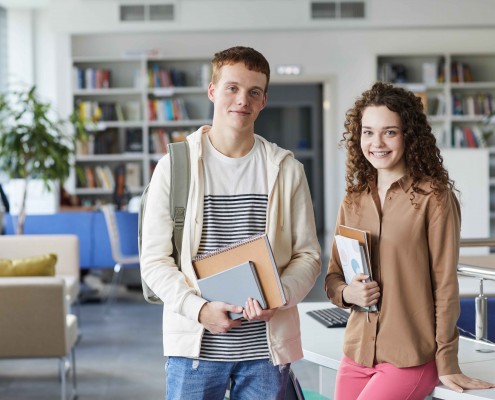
(34, 142)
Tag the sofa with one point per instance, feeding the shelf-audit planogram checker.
(66, 247)
(90, 228)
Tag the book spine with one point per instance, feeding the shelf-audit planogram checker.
(274, 264)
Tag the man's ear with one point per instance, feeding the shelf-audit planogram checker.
(263, 104)
(211, 91)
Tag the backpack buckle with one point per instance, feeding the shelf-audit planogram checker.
(180, 216)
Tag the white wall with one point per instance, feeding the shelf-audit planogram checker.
(344, 56)
(471, 168)
(20, 46)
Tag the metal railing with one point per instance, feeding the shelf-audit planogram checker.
(481, 273)
(478, 242)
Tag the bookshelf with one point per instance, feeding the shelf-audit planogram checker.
(458, 89)
(459, 93)
(132, 108)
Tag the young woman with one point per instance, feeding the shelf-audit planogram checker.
(398, 189)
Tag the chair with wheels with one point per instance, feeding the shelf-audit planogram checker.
(120, 260)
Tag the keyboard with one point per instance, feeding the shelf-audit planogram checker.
(330, 317)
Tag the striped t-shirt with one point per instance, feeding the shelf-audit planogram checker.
(235, 202)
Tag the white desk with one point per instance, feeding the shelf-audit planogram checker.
(323, 346)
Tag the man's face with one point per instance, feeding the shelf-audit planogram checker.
(238, 97)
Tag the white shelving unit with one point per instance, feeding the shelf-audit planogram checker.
(133, 106)
(460, 91)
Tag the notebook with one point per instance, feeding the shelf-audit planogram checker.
(255, 249)
(233, 286)
(354, 247)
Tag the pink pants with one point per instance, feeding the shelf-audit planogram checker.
(384, 381)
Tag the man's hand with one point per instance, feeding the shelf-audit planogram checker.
(361, 293)
(254, 312)
(213, 316)
(459, 382)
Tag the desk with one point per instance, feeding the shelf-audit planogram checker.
(323, 346)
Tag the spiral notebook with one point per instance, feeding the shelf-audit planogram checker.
(255, 249)
(233, 286)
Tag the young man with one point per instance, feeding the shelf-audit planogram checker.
(241, 185)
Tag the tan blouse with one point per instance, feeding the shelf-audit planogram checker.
(414, 256)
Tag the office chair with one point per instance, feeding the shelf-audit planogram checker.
(120, 260)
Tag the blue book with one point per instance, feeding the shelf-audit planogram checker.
(233, 286)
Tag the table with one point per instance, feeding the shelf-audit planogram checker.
(323, 346)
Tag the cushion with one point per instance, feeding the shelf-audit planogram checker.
(43, 265)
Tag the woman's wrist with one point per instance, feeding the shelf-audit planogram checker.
(344, 301)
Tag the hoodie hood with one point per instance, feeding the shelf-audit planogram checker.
(275, 154)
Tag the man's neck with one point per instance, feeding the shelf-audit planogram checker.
(231, 143)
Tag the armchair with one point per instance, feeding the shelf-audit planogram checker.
(35, 324)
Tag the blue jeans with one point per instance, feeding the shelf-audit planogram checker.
(208, 380)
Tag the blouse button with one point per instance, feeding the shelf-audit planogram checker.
(390, 197)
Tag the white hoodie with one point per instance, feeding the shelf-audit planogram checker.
(290, 228)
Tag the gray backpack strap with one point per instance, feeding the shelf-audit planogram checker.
(179, 191)
(180, 170)
(148, 294)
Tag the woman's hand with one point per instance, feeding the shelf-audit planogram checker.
(459, 382)
(361, 293)
(254, 312)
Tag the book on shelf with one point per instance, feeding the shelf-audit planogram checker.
(467, 136)
(256, 249)
(91, 78)
(134, 140)
(353, 246)
(460, 72)
(90, 177)
(167, 110)
(106, 142)
(132, 110)
(109, 176)
(478, 134)
(158, 141)
(439, 104)
(233, 286)
(99, 177)
(132, 175)
(119, 113)
(430, 70)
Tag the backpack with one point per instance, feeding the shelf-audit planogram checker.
(179, 190)
(293, 391)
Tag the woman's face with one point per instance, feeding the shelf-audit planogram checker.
(382, 140)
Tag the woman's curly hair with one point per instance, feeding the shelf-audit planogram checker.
(422, 156)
